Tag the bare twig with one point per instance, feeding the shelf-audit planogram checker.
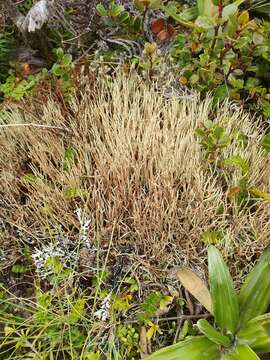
(172, 318)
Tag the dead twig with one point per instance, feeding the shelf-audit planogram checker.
(40, 126)
(172, 318)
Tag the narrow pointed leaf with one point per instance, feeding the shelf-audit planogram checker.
(256, 333)
(194, 348)
(224, 298)
(242, 352)
(196, 287)
(254, 297)
(212, 334)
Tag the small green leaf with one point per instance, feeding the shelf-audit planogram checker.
(92, 356)
(77, 311)
(193, 348)
(229, 10)
(139, 5)
(220, 94)
(238, 161)
(73, 193)
(224, 298)
(101, 10)
(254, 297)
(19, 268)
(184, 330)
(69, 158)
(154, 4)
(66, 60)
(266, 143)
(29, 179)
(212, 334)
(116, 9)
(242, 352)
(211, 237)
(256, 333)
(137, 23)
(124, 17)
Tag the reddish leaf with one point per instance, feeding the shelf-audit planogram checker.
(157, 25)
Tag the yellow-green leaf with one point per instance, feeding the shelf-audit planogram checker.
(254, 297)
(224, 298)
(243, 18)
(212, 334)
(8, 330)
(256, 333)
(77, 311)
(193, 348)
(242, 352)
(259, 193)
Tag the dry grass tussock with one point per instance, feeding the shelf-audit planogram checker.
(136, 169)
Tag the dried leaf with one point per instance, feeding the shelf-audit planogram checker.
(143, 343)
(196, 287)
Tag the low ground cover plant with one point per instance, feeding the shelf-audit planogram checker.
(117, 166)
(96, 198)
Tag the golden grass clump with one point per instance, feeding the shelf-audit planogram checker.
(130, 159)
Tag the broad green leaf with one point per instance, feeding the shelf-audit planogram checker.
(193, 348)
(256, 333)
(242, 352)
(254, 297)
(212, 334)
(196, 287)
(224, 298)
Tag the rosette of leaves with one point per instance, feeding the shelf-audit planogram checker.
(241, 327)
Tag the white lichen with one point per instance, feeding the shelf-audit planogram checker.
(104, 312)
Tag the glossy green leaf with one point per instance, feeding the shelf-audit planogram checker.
(256, 333)
(254, 297)
(193, 348)
(224, 298)
(242, 352)
(212, 334)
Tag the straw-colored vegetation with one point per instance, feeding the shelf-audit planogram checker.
(133, 162)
